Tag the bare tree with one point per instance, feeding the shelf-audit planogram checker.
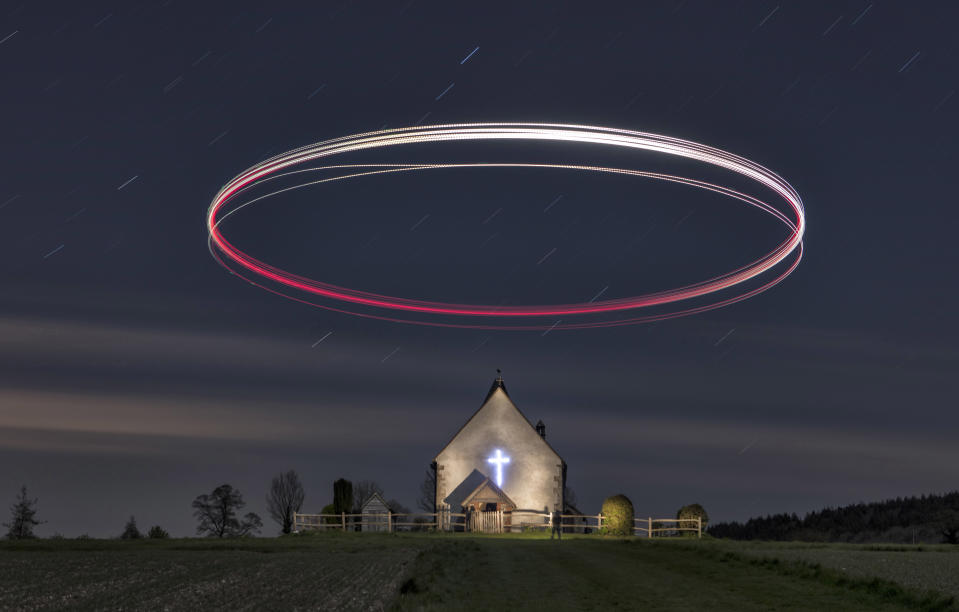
(362, 492)
(569, 496)
(23, 517)
(427, 499)
(217, 514)
(285, 497)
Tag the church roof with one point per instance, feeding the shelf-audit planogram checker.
(491, 486)
(375, 497)
(498, 385)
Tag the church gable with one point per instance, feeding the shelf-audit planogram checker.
(498, 453)
(499, 417)
(375, 504)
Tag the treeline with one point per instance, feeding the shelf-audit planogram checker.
(218, 513)
(928, 518)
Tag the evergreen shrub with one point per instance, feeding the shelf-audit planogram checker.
(617, 516)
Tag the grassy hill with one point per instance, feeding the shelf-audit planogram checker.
(451, 572)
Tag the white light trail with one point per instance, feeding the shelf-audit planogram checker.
(469, 56)
(444, 92)
(130, 180)
(322, 339)
(284, 165)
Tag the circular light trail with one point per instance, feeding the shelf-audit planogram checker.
(773, 267)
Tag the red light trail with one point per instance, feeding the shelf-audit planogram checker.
(773, 267)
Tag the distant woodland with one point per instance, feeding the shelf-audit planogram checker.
(926, 519)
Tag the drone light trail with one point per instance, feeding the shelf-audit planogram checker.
(768, 270)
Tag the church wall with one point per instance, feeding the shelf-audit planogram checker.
(533, 477)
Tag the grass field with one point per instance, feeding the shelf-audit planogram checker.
(923, 568)
(338, 571)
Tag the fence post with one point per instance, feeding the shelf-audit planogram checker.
(343, 520)
(599, 521)
(649, 527)
(293, 530)
(389, 522)
(699, 527)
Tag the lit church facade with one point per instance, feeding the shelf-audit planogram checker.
(498, 460)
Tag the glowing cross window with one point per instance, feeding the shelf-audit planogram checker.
(498, 460)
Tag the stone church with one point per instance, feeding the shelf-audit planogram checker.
(499, 461)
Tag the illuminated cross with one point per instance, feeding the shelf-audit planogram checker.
(499, 460)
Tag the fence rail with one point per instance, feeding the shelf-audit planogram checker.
(388, 522)
(487, 522)
(656, 525)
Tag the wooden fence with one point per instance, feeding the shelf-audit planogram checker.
(389, 522)
(580, 523)
(487, 522)
(662, 526)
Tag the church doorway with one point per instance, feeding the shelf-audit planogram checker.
(488, 509)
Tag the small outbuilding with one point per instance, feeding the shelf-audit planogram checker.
(375, 513)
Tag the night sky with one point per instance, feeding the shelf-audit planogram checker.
(136, 373)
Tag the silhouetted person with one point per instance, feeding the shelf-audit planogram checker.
(557, 520)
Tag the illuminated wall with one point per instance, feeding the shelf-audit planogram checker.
(533, 478)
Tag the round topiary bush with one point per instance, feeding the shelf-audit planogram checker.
(692, 512)
(617, 516)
